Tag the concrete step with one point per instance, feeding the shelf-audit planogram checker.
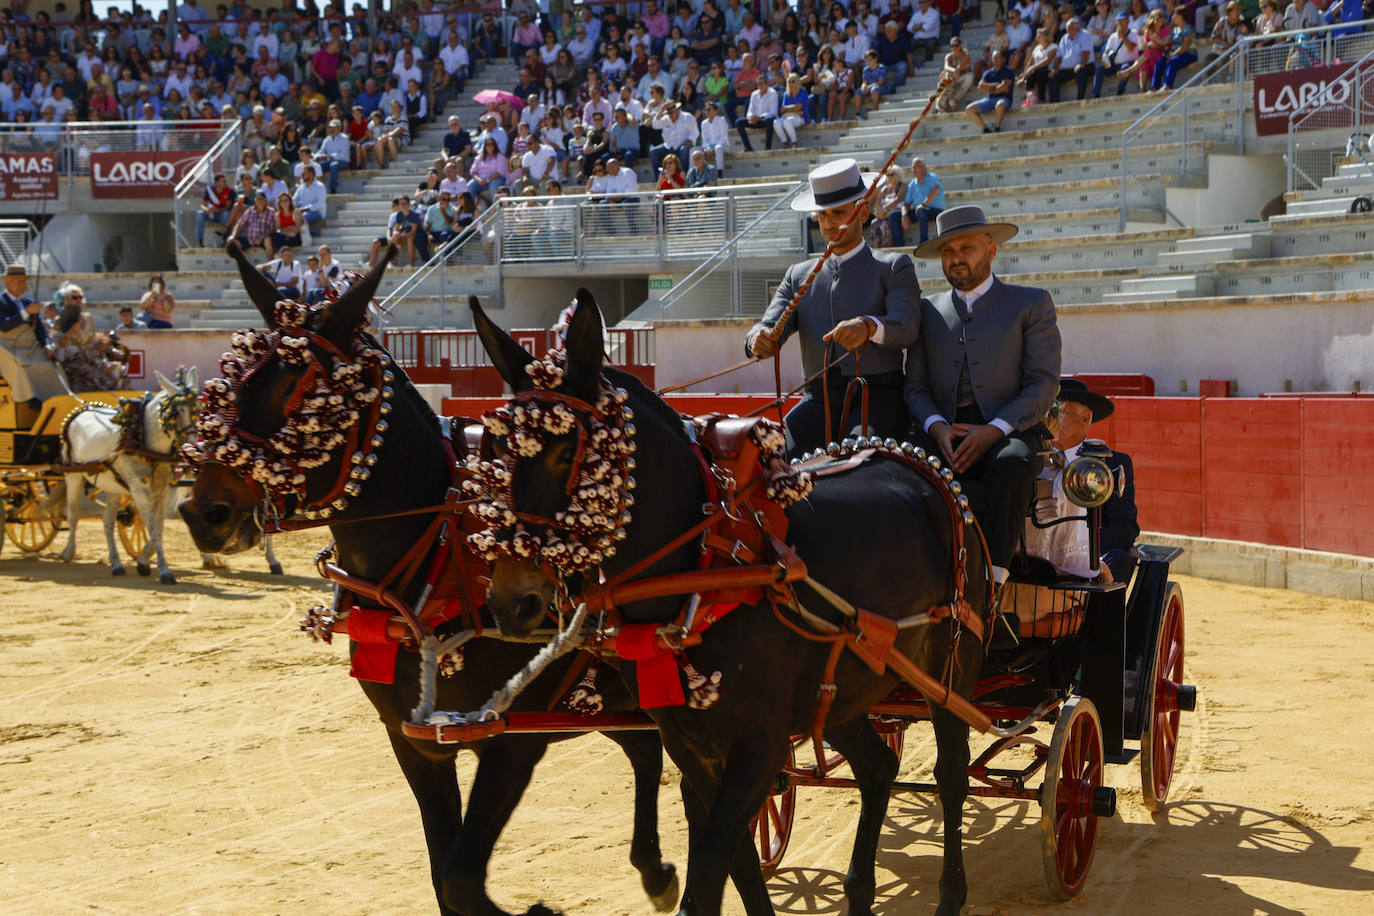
(1321, 206)
(1169, 286)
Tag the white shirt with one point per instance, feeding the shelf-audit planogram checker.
(925, 24)
(1117, 51)
(763, 103)
(634, 109)
(677, 133)
(454, 59)
(852, 50)
(180, 83)
(621, 183)
(538, 161)
(715, 132)
(404, 73)
(260, 40)
(283, 274)
(336, 147)
(1075, 50)
(1019, 35)
(970, 297)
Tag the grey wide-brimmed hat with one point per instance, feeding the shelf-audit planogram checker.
(833, 184)
(960, 221)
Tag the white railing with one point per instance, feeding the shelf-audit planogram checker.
(660, 227)
(1331, 123)
(222, 156)
(15, 236)
(1192, 115)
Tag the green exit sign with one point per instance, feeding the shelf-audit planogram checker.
(660, 283)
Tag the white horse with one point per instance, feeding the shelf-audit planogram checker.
(129, 450)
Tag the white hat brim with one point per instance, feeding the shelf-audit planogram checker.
(805, 201)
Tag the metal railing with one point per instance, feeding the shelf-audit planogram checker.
(706, 278)
(15, 236)
(441, 351)
(1329, 124)
(73, 143)
(654, 226)
(222, 156)
(1199, 111)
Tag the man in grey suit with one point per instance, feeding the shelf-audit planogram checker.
(983, 374)
(860, 297)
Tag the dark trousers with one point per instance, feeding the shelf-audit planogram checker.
(765, 124)
(887, 414)
(1080, 77)
(1102, 73)
(1000, 486)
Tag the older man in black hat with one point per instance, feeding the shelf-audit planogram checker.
(859, 297)
(982, 374)
(1079, 408)
(26, 359)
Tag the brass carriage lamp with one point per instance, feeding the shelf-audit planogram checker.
(1088, 480)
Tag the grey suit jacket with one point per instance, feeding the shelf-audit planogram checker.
(879, 284)
(1013, 349)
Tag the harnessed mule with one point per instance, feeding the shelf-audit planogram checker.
(879, 536)
(128, 450)
(385, 488)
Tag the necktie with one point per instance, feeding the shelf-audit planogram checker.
(960, 307)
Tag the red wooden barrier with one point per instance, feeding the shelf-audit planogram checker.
(1295, 472)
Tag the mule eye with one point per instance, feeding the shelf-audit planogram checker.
(562, 455)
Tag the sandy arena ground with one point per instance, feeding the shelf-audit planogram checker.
(183, 750)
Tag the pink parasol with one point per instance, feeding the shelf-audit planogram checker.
(499, 95)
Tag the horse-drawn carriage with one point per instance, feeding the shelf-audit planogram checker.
(31, 472)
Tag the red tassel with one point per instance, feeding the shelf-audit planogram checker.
(655, 669)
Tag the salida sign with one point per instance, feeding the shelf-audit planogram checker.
(139, 174)
(28, 176)
(1278, 95)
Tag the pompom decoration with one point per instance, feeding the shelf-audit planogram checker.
(333, 398)
(584, 534)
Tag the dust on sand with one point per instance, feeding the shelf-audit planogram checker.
(182, 749)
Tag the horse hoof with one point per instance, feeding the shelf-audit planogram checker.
(67, 557)
(144, 569)
(668, 891)
(275, 569)
(117, 571)
(167, 578)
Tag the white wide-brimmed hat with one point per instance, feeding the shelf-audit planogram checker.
(834, 184)
(961, 221)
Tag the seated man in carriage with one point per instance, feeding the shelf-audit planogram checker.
(26, 358)
(982, 374)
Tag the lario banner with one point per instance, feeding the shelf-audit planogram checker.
(1329, 97)
(142, 173)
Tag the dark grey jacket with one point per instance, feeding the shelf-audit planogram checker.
(879, 284)
(1013, 349)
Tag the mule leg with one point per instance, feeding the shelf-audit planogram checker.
(107, 518)
(504, 769)
(273, 565)
(149, 499)
(874, 767)
(744, 866)
(645, 751)
(750, 769)
(76, 485)
(435, 785)
(951, 776)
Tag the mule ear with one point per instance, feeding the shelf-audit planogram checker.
(509, 358)
(260, 290)
(349, 311)
(586, 348)
(165, 383)
(193, 378)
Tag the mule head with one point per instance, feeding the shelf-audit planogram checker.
(522, 588)
(223, 508)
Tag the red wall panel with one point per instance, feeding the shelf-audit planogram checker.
(1163, 436)
(1252, 470)
(1338, 478)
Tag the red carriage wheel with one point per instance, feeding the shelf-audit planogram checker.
(1072, 798)
(772, 826)
(1159, 736)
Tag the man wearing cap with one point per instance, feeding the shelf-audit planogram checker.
(334, 153)
(859, 297)
(1079, 408)
(982, 374)
(1118, 54)
(26, 359)
(679, 130)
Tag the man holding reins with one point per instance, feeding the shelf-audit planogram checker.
(862, 301)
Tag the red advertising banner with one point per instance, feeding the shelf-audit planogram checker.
(28, 176)
(1278, 95)
(144, 173)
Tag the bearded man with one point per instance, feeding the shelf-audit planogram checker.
(983, 372)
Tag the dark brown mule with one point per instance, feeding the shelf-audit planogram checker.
(880, 536)
(413, 472)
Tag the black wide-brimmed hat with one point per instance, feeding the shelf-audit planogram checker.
(1071, 389)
